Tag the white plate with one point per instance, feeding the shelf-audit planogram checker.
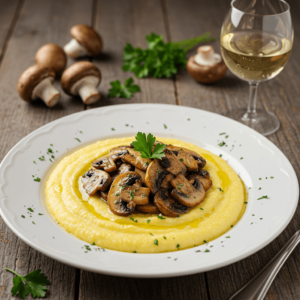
(262, 222)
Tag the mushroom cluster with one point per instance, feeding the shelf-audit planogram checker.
(81, 78)
(128, 183)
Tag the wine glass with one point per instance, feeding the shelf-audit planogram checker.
(256, 42)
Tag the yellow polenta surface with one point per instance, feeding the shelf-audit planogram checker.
(92, 221)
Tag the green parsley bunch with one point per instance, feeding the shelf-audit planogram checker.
(160, 59)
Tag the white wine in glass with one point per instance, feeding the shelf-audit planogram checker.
(256, 42)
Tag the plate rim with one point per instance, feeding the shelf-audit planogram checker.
(166, 274)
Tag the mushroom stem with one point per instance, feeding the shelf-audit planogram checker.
(86, 88)
(47, 92)
(206, 56)
(74, 49)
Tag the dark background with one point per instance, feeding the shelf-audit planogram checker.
(28, 24)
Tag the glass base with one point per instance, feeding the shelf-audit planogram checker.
(262, 121)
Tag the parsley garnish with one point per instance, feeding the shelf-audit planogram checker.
(145, 144)
(222, 144)
(221, 190)
(160, 59)
(220, 155)
(42, 158)
(123, 91)
(33, 283)
(263, 197)
(155, 242)
(222, 133)
(113, 129)
(134, 252)
(117, 194)
(148, 221)
(30, 209)
(206, 250)
(177, 246)
(201, 208)
(271, 177)
(37, 179)
(23, 216)
(160, 217)
(204, 241)
(77, 139)
(165, 126)
(165, 238)
(93, 244)
(227, 237)
(131, 195)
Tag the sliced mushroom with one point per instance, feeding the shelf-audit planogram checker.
(171, 163)
(122, 169)
(107, 162)
(94, 180)
(167, 205)
(177, 150)
(147, 209)
(115, 202)
(203, 176)
(186, 193)
(166, 182)
(142, 173)
(140, 195)
(155, 175)
(134, 157)
(117, 149)
(104, 195)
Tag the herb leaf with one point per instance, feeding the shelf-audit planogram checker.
(145, 144)
(160, 59)
(123, 91)
(33, 283)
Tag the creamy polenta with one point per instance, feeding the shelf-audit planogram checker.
(92, 221)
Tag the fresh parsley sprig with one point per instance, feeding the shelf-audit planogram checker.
(160, 59)
(33, 283)
(145, 144)
(123, 91)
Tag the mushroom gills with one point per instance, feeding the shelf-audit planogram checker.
(115, 202)
(187, 193)
(107, 162)
(155, 175)
(47, 92)
(86, 88)
(74, 49)
(94, 180)
(167, 205)
(171, 163)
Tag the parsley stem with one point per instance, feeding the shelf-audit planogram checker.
(12, 271)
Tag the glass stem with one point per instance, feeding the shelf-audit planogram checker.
(251, 114)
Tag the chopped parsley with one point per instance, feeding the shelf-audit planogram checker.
(87, 247)
(50, 150)
(33, 223)
(151, 233)
(222, 144)
(127, 125)
(155, 242)
(259, 188)
(34, 162)
(165, 238)
(42, 158)
(40, 214)
(187, 196)
(131, 195)
(113, 129)
(181, 159)
(220, 155)
(204, 241)
(124, 187)
(246, 202)
(201, 208)
(263, 197)
(116, 202)
(23, 216)
(148, 221)
(77, 139)
(271, 177)
(231, 226)
(227, 237)
(30, 209)
(147, 163)
(188, 119)
(129, 175)
(177, 246)
(226, 137)
(242, 158)
(37, 179)
(206, 250)
(259, 179)
(134, 252)
(221, 190)
(222, 133)
(160, 217)
(178, 216)
(117, 194)
(93, 244)
(165, 126)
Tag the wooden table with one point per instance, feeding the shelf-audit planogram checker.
(25, 25)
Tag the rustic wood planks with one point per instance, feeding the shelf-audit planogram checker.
(26, 25)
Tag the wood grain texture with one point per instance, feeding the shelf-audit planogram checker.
(39, 22)
(279, 95)
(8, 15)
(122, 22)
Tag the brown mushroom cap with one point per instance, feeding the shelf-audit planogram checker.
(30, 78)
(77, 71)
(88, 38)
(51, 56)
(206, 74)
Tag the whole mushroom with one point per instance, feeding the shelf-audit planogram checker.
(206, 66)
(51, 56)
(36, 82)
(82, 78)
(85, 41)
